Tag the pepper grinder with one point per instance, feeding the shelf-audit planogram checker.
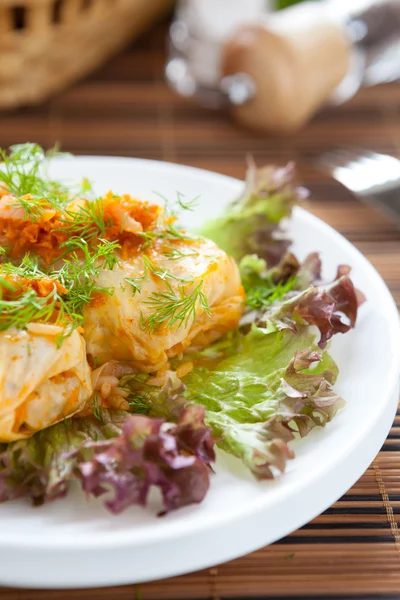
(273, 71)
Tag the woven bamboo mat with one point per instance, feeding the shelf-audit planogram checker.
(353, 549)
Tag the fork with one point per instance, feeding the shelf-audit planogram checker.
(373, 178)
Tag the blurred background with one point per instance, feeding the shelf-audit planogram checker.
(206, 83)
(256, 63)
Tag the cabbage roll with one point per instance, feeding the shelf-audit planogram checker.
(41, 381)
(161, 306)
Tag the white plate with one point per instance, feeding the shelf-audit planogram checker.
(76, 543)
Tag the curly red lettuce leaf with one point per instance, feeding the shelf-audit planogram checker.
(309, 271)
(332, 309)
(148, 453)
(292, 293)
(38, 468)
(125, 453)
(251, 225)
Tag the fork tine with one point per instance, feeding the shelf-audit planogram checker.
(339, 157)
(382, 168)
(390, 163)
(373, 177)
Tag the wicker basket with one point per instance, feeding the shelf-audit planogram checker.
(47, 44)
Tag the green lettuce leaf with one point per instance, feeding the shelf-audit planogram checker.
(251, 225)
(276, 384)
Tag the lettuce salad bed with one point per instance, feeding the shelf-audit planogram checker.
(250, 393)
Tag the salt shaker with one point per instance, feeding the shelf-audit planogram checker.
(274, 71)
(196, 42)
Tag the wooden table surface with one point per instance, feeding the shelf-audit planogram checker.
(126, 109)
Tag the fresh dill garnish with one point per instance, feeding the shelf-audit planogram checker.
(23, 175)
(187, 204)
(168, 234)
(79, 271)
(265, 294)
(96, 408)
(18, 305)
(28, 268)
(139, 393)
(172, 232)
(259, 284)
(170, 308)
(164, 274)
(138, 403)
(134, 283)
(33, 207)
(175, 254)
(27, 306)
(87, 222)
(173, 208)
(148, 237)
(21, 305)
(150, 267)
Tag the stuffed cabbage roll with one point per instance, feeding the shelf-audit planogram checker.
(41, 381)
(162, 306)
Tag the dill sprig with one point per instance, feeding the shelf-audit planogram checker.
(80, 270)
(77, 275)
(138, 403)
(167, 234)
(164, 274)
(139, 393)
(260, 284)
(87, 223)
(23, 173)
(25, 308)
(96, 408)
(175, 254)
(135, 283)
(172, 209)
(268, 292)
(20, 307)
(150, 267)
(27, 269)
(189, 205)
(166, 230)
(170, 308)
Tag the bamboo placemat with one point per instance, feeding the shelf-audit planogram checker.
(353, 549)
